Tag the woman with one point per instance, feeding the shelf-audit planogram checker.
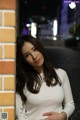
(42, 91)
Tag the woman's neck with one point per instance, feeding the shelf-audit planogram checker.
(39, 69)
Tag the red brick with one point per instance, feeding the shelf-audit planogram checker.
(7, 67)
(7, 99)
(7, 4)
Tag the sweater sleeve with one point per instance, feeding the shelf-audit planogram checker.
(20, 109)
(69, 105)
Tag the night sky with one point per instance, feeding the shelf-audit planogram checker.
(39, 7)
(46, 8)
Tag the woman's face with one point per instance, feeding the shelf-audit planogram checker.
(33, 56)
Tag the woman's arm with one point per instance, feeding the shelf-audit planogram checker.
(20, 108)
(55, 116)
(68, 98)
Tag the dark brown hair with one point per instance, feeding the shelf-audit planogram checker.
(26, 74)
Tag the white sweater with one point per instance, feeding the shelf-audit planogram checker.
(48, 99)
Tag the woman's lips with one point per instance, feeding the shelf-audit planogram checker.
(37, 61)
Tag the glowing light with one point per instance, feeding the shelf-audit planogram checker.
(55, 27)
(33, 29)
(28, 25)
(54, 38)
(72, 5)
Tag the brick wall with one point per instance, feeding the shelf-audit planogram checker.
(7, 57)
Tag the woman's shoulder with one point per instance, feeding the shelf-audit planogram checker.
(18, 99)
(17, 95)
(60, 70)
(62, 74)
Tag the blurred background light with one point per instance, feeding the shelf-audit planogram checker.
(72, 5)
(33, 29)
(55, 27)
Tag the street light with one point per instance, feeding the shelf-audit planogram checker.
(34, 29)
(72, 5)
(55, 29)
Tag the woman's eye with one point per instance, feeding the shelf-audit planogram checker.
(26, 55)
(35, 49)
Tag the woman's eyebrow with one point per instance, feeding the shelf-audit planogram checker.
(33, 47)
(26, 53)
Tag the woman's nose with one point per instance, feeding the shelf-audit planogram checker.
(34, 56)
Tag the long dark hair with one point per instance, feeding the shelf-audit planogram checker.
(26, 74)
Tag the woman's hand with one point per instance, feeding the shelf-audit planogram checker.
(55, 116)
